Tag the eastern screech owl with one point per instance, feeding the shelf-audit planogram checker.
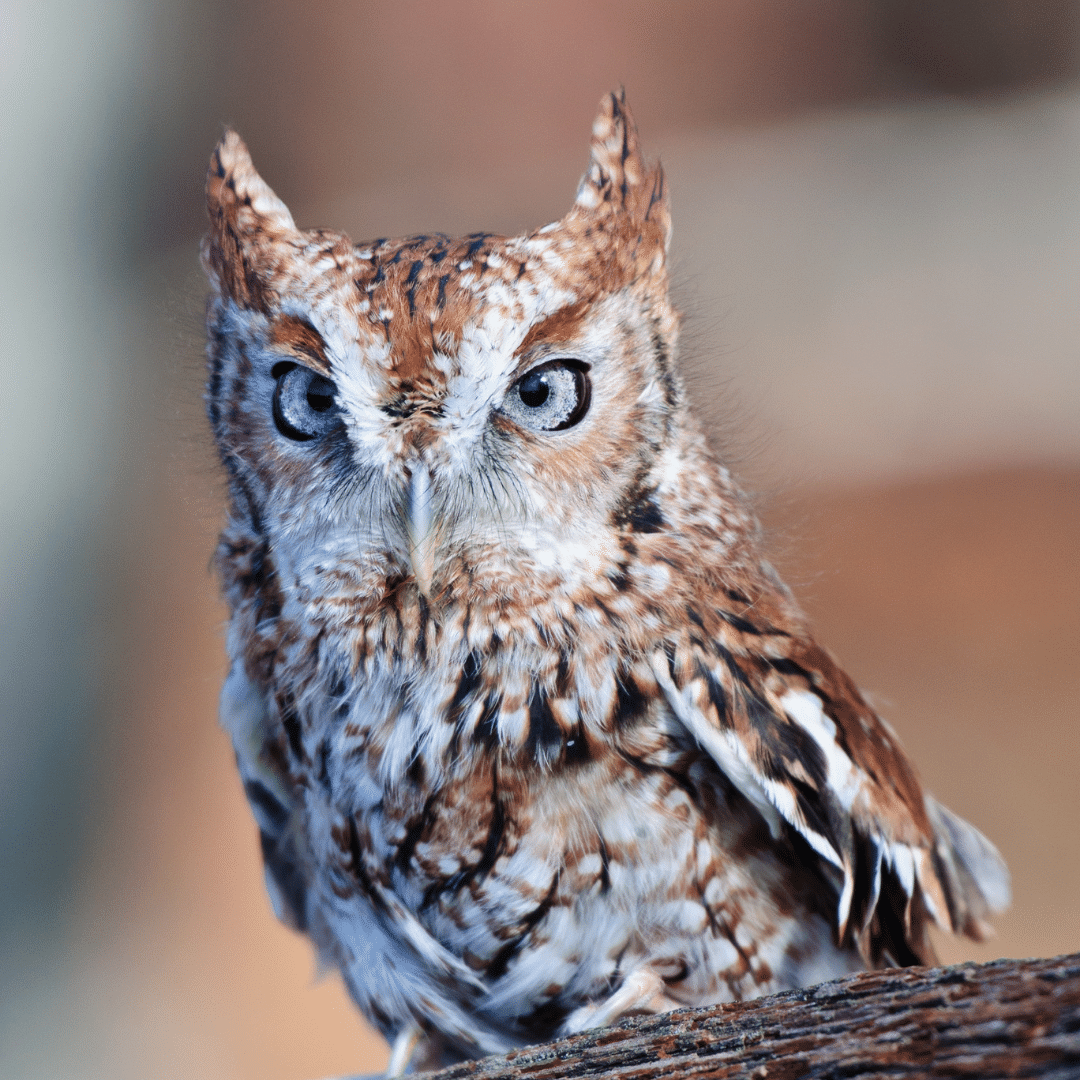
(534, 736)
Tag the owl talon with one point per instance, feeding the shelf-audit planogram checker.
(401, 1054)
(641, 991)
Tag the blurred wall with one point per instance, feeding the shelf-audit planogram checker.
(68, 77)
(877, 219)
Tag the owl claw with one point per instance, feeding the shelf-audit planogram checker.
(401, 1054)
(641, 991)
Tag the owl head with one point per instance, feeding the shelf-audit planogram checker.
(443, 414)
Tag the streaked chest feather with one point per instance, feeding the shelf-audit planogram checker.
(548, 839)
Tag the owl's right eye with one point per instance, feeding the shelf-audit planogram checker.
(304, 404)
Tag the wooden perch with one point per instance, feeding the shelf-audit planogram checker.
(1010, 1018)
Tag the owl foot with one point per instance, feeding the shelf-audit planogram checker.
(641, 991)
(401, 1053)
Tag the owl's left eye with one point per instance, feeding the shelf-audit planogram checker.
(304, 403)
(551, 397)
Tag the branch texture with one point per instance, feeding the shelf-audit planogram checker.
(1010, 1018)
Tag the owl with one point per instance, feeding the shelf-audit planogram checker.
(534, 735)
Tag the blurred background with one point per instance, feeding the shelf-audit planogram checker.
(877, 247)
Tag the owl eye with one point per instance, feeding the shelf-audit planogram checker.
(551, 397)
(304, 405)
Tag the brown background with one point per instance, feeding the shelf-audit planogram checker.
(877, 216)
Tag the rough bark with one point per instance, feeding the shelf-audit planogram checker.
(1010, 1018)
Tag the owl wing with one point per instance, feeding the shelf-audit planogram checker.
(794, 735)
(244, 714)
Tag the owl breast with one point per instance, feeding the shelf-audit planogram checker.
(552, 869)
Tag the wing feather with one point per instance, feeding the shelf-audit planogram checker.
(797, 739)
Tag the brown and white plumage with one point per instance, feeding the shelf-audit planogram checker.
(533, 733)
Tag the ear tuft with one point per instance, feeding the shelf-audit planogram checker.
(245, 215)
(233, 180)
(618, 179)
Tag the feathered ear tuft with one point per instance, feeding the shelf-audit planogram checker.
(245, 215)
(618, 180)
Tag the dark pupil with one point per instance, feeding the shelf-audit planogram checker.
(534, 390)
(320, 394)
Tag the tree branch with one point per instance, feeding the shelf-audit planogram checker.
(1010, 1018)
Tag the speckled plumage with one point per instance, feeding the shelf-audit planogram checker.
(533, 734)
